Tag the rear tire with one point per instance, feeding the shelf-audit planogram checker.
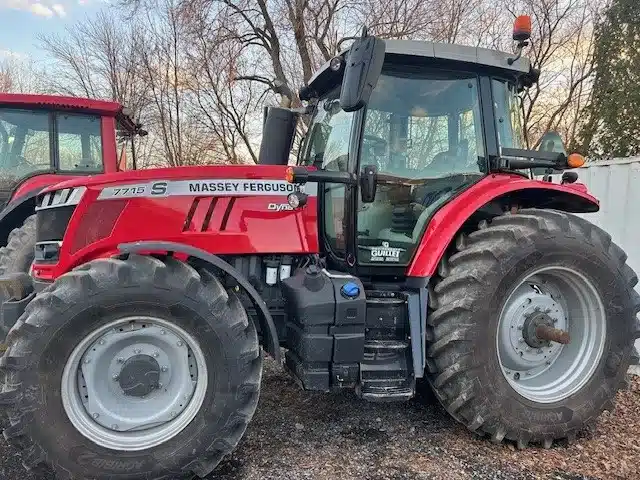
(76, 306)
(465, 367)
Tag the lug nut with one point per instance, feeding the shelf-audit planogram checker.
(96, 415)
(120, 360)
(137, 351)
(521, 340)
(101, 342)
(180, 344)
(87, 360)
(528, 349)
(520, 327)
(516, 376)
(539, 350)
(162, 332)
(114, 426)
(115, 377)
(156, 354)
(164, 369)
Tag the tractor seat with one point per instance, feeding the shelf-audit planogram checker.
(453, 160)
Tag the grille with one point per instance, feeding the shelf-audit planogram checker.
(51, 223)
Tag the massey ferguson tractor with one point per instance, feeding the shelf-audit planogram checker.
(409, 244)
(43, 140)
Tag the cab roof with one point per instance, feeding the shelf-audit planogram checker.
(20, 100)
(461, 53)
(438, 51)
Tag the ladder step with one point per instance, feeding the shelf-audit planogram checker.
(386, 345)
(391, 394)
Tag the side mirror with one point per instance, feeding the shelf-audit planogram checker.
(551, 142)
(368, 183)
(363, 68)
(278, 132)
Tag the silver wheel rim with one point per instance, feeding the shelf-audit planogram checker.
(568, 301)
(99, 408)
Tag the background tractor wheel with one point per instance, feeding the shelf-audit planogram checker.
(18, 255)
(487, 363)
(145, 368)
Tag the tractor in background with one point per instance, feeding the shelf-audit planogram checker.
(45, 139)
(409, 244)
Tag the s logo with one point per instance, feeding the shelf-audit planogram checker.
(159, 188)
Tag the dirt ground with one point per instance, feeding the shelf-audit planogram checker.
(298, 435)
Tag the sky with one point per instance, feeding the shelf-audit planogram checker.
(22, 20)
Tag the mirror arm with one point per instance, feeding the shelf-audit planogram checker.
(301, 175)
(519, 159)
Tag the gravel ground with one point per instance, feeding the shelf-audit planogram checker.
(298, 435)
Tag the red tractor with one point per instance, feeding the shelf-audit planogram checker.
(410, 244)
(45, 139)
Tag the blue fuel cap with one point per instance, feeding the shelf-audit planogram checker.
(350, 290)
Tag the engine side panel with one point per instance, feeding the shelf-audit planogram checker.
(524, 192)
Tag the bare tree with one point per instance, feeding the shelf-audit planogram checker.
(562, 48)
(20, 75)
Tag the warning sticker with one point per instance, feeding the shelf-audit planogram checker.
(212, 187)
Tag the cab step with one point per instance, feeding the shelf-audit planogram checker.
(386, 371)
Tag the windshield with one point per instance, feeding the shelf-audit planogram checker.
(329, 134)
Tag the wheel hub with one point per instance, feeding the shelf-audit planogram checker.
(139, 375)
(137, 382)
(530, 327)
(551, 334)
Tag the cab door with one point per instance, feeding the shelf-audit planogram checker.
(423, 132)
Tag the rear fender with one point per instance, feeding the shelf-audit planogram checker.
(267, 325)
(489, 197)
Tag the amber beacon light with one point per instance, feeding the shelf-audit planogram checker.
(522, 28)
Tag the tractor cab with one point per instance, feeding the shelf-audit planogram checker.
(44, 135)
(398, 128)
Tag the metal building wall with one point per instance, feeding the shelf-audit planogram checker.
(616, 183)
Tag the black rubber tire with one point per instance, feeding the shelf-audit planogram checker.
(467, 296)
(92, 294)
(17, 255)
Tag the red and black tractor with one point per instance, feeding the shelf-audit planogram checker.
(45, 139)
(409, 245)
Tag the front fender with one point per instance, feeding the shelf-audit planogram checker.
(267, 324)
(502, 190)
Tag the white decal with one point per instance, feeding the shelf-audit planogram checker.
(279, 207)
(208, 187)
(385, 253)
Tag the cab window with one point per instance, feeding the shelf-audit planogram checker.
(79, 143)
(25, 142)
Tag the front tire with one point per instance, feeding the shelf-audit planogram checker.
(490, 379)
(156, 310)
(17, 256)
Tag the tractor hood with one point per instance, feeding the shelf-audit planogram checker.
(249, 172)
